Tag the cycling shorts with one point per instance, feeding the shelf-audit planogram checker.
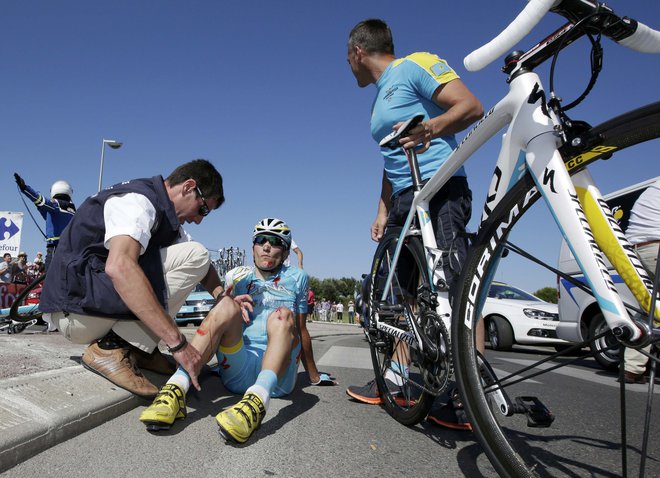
(239, 370)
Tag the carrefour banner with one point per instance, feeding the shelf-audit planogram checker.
(11, 225)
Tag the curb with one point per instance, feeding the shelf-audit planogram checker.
(41, 410)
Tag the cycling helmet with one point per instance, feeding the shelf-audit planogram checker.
(273, 227)
(61, 187)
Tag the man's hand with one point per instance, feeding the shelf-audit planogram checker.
(19, 181)
(324, 380)
(378, 228)
(420, 134)
(191, 360)
(244, 301)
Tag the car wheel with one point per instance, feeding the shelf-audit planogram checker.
(608, 359)
(500, 333)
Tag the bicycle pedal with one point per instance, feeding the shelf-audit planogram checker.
(538, 415)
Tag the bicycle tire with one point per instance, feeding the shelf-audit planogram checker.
(506, 441)
(406, 393)
(20, 313)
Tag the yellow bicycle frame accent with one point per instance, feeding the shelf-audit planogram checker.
(612, 241)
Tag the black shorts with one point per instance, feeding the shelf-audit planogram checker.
(450, 210)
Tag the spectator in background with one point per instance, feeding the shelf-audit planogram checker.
(5, 268)
(19, 269)
(340, 312)
(351, 312)
(296, 249)
(310, 304)
(39, 262)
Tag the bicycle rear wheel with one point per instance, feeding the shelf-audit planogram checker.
(408, 381)
(21, 312)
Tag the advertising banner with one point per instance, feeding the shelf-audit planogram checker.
(11, 225)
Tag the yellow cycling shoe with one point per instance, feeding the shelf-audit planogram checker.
(169, 404)
(237, 423)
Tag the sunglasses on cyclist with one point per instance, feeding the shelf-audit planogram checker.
(272, 240)
(204, 209)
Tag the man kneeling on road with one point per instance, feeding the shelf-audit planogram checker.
(258, 337)
(123, 268)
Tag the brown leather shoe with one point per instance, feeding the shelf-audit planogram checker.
(631, 377)
(156, 361)
(118, 366)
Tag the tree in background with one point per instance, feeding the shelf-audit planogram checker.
(548, 294)
(334, 290)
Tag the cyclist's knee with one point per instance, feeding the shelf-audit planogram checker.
(281, 321)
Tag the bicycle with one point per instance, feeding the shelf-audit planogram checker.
(24, 314)
(544, 154)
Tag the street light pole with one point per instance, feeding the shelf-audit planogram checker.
(114, 145)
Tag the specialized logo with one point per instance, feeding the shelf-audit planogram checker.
(549, 177)
(538, 94)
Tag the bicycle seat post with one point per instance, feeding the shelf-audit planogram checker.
(414, 168)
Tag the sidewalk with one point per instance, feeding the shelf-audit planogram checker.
(39, 410)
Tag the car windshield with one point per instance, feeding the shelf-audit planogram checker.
(507, 292)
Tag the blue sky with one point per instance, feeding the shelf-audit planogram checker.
(263, 90)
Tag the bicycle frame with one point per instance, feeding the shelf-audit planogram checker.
(530, 144)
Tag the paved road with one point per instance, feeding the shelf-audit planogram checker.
(318, 431)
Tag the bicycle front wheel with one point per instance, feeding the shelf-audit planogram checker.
(536, 413)
(23, 312)
(407, 380)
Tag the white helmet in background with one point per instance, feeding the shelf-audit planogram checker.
(61, 187)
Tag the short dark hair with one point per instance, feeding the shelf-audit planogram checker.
(373, 35)
(208, 178)
(6, 254)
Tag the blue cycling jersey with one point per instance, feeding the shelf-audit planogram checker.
(288, 288)
(406, 88)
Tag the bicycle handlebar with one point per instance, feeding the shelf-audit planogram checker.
(643, 38)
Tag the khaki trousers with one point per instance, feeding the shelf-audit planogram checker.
(184, 265)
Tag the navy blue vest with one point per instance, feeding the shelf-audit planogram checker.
(76, 280)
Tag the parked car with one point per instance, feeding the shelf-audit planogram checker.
(580, 318)
(198, 303)
(513, 316)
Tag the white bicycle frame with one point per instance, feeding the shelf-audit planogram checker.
(530, 144)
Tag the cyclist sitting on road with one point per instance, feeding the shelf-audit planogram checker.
(125, 266)
(257, 345)
(418, 83)
(57, 211)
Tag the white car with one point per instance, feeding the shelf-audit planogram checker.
(513, 316)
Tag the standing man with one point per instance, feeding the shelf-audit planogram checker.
(124, 268)
(340, 311)
(644, 233)
(5, 268)
(299, 254)
(417, 83)
(351, 312)
(258, 346)
(57, 211)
